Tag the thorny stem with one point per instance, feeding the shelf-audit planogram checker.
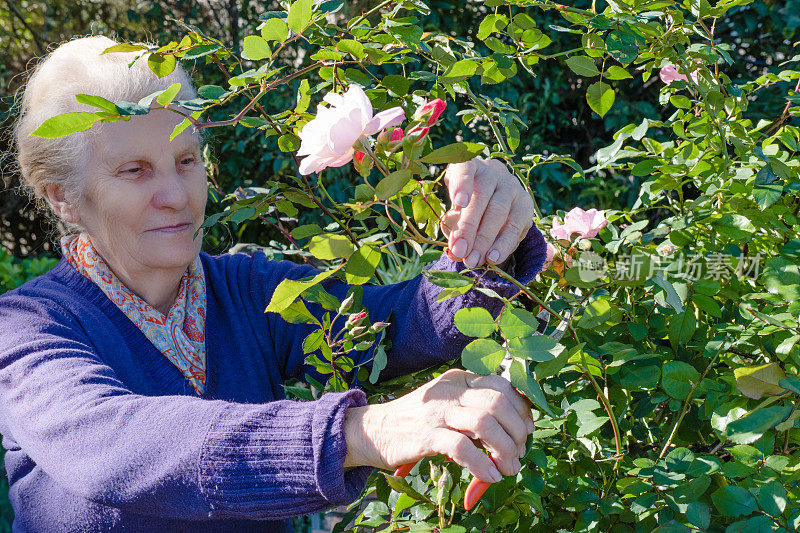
(688, 399)
(375, 9)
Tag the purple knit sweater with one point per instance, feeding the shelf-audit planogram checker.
(104, 434)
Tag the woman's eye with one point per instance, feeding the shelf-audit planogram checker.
(188, 160)
(129, 171)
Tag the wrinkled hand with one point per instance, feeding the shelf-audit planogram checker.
(490, 212)
(445, 416)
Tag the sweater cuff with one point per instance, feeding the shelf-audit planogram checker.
(280, 459)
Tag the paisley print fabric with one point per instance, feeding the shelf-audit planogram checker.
(179, 335)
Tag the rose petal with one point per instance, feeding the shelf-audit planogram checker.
(345, 132)
(385, 119)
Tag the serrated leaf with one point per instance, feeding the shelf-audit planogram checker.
(288, 290)
(482, 356)
(274, 29)
(453, 153)
(256, 48)
(474, 322)
(66, 124)
(535, 348)
(329, 246)
(756, 381)
(583, 66)
(393, 183)
(751, 427)
(678, 378)
(517, 323)
(299, 15)
(600, 97)
(169, 94)
(525, 382)
(734, 501)
(161, 65)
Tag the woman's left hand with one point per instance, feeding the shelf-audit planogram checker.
(490, 212)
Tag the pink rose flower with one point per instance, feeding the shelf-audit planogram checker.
(550, 252)
(329, 138)
(587, 224)
(669, 74)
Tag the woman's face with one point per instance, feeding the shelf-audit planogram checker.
(144, 195)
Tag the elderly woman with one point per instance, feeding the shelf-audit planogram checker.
(140, 380)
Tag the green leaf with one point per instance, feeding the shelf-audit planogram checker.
(756, 381)
(680, 101)
(288, 290)
(354, 48)
(330, 246)
(97, 101)
(598, 312)
(517, 323)
(791, 383)
(766, 195)
(288, 142)
(459, 70)
(124, 47)
(398, 85)
(622, 46)
(474, 322)
(699, 515)
(546, 369)
(299, 15)
(535, 348)
(682, 327)
(491, 24)
(169, 94)
(737, 227)
(522, 380)
(678, 378)
(66, 124)
(600, 97)
(401, 485)
(453, 153)
(161, 65)
(583, 66)
(447, 279)
(274, 29)
(590, 425)
(306, 230)
(199, 51)
(617, 73)
(393, 183)
(772, 498)
(361, 265)
(734, 501)
(751, 427)
(482, 356)
(670, 294)
(256, 48)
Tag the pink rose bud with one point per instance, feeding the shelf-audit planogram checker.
(430, 111)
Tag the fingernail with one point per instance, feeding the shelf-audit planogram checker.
(493, 256)
(495, 474)
(472, 260)
(459, 248)
(462, 199)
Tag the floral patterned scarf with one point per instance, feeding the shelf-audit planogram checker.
(179, 335)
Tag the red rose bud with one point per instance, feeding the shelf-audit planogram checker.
(397, 134)
(417, 135)
(430, 111)
(362, 163)
(359, 157)
(354, 320)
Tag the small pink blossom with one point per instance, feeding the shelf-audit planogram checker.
(669, 74)
(329, 138)
(550, 252)
(587, 224)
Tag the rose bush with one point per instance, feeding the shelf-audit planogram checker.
(670, 402)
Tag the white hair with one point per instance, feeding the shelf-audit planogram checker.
(77, 67)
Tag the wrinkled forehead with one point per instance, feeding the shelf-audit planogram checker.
(144, 136)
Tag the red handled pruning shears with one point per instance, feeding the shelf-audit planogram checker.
(476, 487)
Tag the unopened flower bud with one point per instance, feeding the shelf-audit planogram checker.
(358, 330)
(377, 327)
(430, 111)
(347, 303)
(356, 319)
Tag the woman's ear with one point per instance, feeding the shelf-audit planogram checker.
(66, 210)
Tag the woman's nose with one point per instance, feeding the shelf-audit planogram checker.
(171, 190)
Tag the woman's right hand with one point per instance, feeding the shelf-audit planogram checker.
(446, 415)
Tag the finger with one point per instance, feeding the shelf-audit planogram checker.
(470, 220)
(483, 426)
(516, 227)
(501, 409)
(500, 384)
(494, 218)
(465, 453)
(459, 178)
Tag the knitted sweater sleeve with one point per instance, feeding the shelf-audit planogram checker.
(174, 456)
(421, 331)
